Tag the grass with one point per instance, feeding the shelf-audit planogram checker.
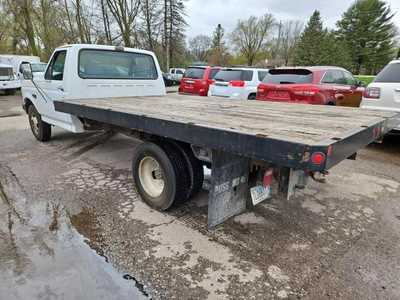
(365, 78)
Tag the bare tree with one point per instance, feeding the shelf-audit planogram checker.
(150, 16)
(200, 46)
(291, 31)
(251, 35)
(125, 13)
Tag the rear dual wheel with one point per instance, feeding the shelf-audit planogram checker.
(163, 175)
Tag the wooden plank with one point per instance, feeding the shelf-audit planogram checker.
(300, 123)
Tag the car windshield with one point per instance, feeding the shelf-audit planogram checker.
(233, 74)
(38, 67)
(109, 64)
(390, 73)
(6, 72)
(288, 76)
(195, 73)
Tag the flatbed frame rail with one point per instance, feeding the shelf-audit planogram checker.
(237, 126)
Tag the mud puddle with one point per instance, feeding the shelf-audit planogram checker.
(46, 253)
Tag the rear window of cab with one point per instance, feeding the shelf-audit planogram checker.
(288, 76)
(110, 64)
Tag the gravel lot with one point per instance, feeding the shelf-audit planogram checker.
(72, 226)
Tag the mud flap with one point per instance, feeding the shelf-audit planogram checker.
(229, 187)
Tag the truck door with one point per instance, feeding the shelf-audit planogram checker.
(52, 89)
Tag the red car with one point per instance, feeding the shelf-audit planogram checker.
(197, 80)
(312, 85)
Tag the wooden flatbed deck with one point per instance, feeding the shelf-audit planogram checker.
(250, 128)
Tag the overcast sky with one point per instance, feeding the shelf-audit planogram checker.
(204, 15)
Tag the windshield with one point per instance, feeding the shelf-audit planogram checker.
(195, 73)
(230, 74)
(38, 67)
(288, 76)
(390, 73)
(107, 64)
(6, 73)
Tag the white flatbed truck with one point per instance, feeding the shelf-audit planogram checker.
(255, 149)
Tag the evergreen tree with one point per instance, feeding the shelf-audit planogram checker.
(309, 48)
(218, 53)
(367, 30)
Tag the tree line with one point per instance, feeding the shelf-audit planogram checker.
(363, 41)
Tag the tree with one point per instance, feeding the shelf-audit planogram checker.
(251, 35)
(199, 47)
(367, 29)
(125, 13)
(309, 48)
(218, 54)
(284, 44)
(174, 25)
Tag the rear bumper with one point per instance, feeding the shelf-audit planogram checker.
(10, 85)
(370, 104)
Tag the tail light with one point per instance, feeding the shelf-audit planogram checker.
(236, 83)
(260, 89)
(309, 92)
(318, 158)
(372, 93)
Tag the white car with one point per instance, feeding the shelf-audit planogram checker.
(8, 79)
(176, 74)
(237, 83)
(384, 92)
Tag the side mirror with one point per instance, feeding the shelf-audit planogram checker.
(360, 83)
(27, 71)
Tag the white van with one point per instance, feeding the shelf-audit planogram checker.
(9, 82)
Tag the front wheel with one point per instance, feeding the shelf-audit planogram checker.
(40, 129)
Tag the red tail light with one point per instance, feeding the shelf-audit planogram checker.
(210, 81)
(318, 158)
(260, 89)
(236, 83)
(372, 93)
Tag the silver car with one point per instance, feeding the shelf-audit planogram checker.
(384, 92)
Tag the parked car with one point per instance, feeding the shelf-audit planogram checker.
(311, 85)
(384, 92)
(197, 80)
(176, 74)
(237, 83)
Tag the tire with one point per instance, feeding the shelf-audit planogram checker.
(194, 166)
(151, 161)
(40, 129)
(251, 97)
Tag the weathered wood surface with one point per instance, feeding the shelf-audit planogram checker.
(299, 123)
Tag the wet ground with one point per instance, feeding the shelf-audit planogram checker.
(72, 226)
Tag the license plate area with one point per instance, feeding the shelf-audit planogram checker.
(259, 193)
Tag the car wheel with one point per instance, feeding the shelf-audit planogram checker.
(40, 129)
(160, 175)
(251, 97)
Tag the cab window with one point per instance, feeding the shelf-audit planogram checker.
(109, 64)
(55, 71)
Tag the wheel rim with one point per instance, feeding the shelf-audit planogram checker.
(34, 121)
(151, 177)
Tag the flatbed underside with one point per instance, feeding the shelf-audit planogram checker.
(251, 128)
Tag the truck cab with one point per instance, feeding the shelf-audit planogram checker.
(88, 72)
